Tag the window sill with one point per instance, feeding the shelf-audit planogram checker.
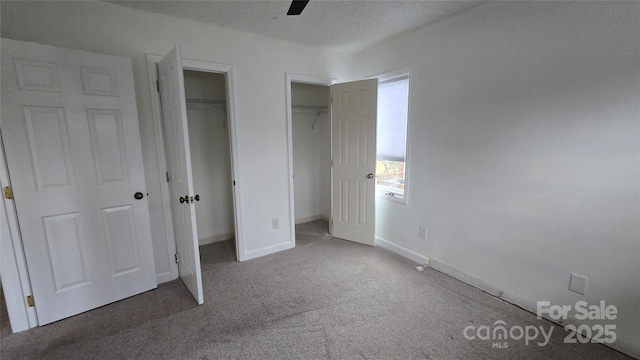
(396, 198)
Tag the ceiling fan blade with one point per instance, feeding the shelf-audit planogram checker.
(297, 6)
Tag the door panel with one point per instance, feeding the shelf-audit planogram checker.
(74, 156)
(176, 132)
(353, 116)
(66, 251)
(49, 145)
(107, 140)
(119, 224)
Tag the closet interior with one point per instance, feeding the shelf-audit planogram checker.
(311, 137)
(209, 140)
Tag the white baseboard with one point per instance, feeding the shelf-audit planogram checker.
(626, 348)
(267, 250)
(402, 251)
(164, 277)
(531, 306)
(216, 238)
(466, 278)
(311, 218)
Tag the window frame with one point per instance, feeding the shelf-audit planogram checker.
(386, 78)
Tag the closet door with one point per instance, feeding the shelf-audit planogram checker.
(353, 126)
(182, 195)
(71, 136)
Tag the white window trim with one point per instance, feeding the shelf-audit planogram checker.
(386, 76)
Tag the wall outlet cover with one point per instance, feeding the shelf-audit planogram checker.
(422, 232)
(578, 284)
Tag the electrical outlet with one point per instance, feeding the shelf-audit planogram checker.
(578, 284)
(275, 223)
(422, 232)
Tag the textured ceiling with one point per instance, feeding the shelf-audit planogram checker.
(345, 26)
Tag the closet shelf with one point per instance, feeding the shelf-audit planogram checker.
(311, 108)
(207, 103)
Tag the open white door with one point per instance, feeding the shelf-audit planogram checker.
(72, 142)
(176, 133)
(353, 153)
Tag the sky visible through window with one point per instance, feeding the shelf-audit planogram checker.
(393, 99)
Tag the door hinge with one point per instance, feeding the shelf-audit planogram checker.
(30, 301)
(176, 257)
(8, 192)
(168, 177)
(158, 85)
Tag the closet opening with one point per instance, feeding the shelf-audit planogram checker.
(332, 169)
(311, 152)
(211, 162)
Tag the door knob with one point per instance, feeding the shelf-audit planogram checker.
(189, 199)
(138, 195)
(369, 176)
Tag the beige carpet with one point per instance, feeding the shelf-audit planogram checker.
(325, 299)
(5, 326)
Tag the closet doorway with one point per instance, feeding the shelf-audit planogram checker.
(210, 94)
(311, 135)
(310, 155)
(209, 142)
(351, 120)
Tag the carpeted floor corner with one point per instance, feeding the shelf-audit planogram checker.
(325, 299)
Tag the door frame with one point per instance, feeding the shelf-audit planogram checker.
(16, 284)
(203, 66)
(305, 79)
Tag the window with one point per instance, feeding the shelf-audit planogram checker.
(391, 166)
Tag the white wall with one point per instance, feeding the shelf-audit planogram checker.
(210, 157)
(306, 166)
(524, 150)
(205, 85)
(259, 90)
(311, 153)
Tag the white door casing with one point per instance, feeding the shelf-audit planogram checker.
(176, 135)
(201, 66)
(13, 267)
(290, 79)
(353, 152)
(72, 141)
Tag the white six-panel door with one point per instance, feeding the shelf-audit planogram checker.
(70, 127)
(176, 134)
(353, 138)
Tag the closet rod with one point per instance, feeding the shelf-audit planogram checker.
(310, 108)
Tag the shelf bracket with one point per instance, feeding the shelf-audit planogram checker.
(318, 113)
